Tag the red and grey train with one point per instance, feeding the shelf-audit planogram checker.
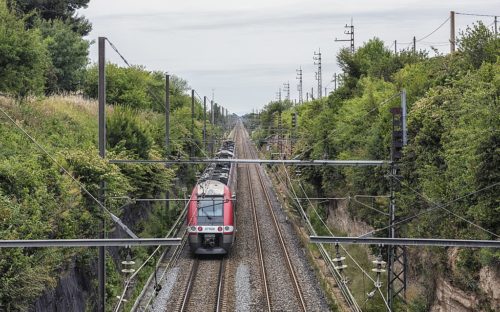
(211, 211)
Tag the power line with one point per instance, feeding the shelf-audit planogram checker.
(432, 32)
(431, 209)
(118, 52)
(328, 229)
(472, 14)
(447, 210)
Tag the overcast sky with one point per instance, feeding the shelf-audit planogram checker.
(246, 50)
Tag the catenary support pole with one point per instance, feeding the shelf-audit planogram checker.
(452, 31)
(101, 263)
(205, 123)
(403, 116)
(167, 135)
(192, 123)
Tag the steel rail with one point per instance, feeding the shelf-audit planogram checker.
(294, 162)
(189, 286)
(259, 243)
(293, 276)
(29, 243)
(406, 241)
(349, 298)
(220, 287)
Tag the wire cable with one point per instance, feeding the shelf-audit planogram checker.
(472, 14)
(432, 32)
(442, 207)
(431, 209)
(331, 233)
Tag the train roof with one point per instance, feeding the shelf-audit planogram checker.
(210, 188)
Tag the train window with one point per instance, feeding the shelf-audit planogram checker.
(210, 208)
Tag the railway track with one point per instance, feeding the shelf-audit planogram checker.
(200, 293)
(286, 255)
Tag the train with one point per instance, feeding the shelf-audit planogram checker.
(211, 222)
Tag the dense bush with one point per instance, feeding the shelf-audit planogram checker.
(23, 56)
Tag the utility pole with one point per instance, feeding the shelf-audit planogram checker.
(312, 94)
(334, 81)
(496, 28)
(452, 31)
(397, 261)
(319, 78)
(395, 47)
(213, 127)
(415, 45)
(101, 265)
(167, 134)
(192, 123)
(299, 86)
(278, 95)
(349, 32)
(205, 123)
(286, 89)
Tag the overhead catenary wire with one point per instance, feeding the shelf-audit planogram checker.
(443, 208)
(473, 14)
(331, 233)
(154, 95)
(408, 219)
(432, 32)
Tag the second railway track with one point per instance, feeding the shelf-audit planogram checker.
(301, 304)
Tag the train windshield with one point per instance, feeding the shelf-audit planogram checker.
(210, 210)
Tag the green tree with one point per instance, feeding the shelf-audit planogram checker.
(69, 54)
(479, 44)
(23, 56)
(50, 10)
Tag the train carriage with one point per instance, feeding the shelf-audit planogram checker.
(210, 217)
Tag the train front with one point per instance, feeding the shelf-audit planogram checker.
(211, 218)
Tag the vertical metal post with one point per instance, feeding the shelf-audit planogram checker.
(335, 81)
(391, 249)
(352, 37)
(205, 123)
(101, 265)
(395, 47)
(192, 123)
(212, 113)
(167, 134)
(167, 115)
(452, 31)
(414, 44)
(496, 27)
(403, 116)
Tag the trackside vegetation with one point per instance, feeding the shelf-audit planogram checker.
(452, 157)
